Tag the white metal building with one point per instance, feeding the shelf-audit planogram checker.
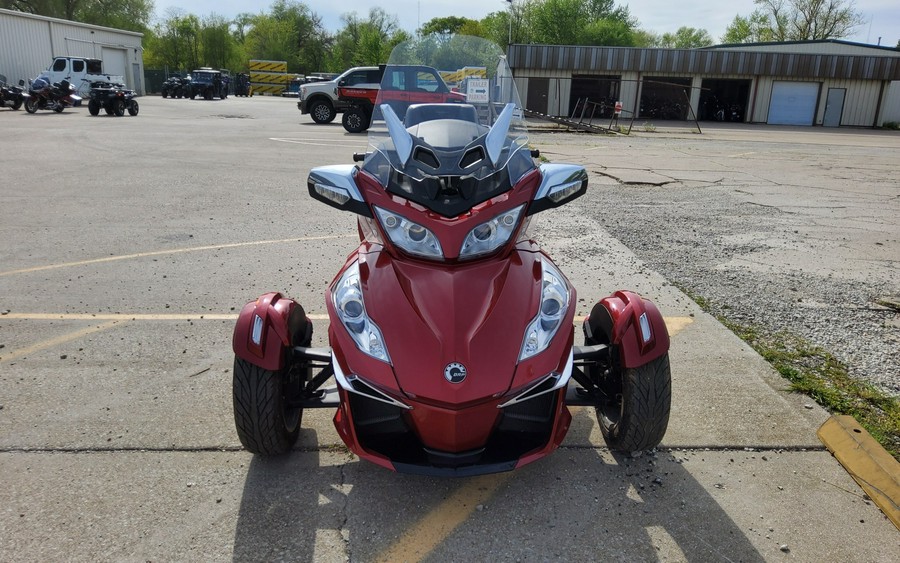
(829, 83)
(28, 44)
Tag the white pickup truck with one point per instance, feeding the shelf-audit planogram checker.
(80, 72)
(320, 99)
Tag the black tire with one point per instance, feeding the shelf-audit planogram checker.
(322, 112)
(355, 120)
(17, 104)
(165, 94)
(264, 424)
(637, 415)
(108, 109)
(58, 108)
(31, 105)
(133, 108)
(119, 108)
(94, 107)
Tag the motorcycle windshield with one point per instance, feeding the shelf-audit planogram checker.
(447, 127)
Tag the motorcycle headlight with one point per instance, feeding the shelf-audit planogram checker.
(411, 237)
(554, 304)
(348, 301)
(491, 235)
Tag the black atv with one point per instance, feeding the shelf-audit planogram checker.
(175, 87)
(114, 98)
(242, 85)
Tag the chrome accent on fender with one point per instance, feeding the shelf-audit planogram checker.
(561, 380)
(402, 140)
(558, 178)
(256, 334)
(496, 137)
(646, 334)
(352, 383)
(336, 178)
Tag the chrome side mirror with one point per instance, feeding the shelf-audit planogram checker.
(560, 184)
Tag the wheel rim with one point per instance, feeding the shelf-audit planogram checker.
(354, 120)
(612, 409)
(322, 112)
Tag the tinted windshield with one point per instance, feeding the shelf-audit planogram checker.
(203, 76)
(448, 95)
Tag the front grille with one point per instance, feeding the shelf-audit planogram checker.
(522, 428)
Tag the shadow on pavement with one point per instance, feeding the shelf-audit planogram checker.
(581, 503)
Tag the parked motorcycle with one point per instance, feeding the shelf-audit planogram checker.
(451, 335)
(44, 95)
(10, 96)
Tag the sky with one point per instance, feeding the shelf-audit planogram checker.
(658, 16)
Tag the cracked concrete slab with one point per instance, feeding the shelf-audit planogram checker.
(119, 444)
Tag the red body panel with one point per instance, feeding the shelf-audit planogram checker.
(275, 311)
(625, 308)
(408, 97)
(433, 313)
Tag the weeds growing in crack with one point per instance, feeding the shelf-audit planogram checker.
(816, 373)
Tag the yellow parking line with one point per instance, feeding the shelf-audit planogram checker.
(674, 324)
(434, 528)
(165, 252)
(677, 324)
(22, 352)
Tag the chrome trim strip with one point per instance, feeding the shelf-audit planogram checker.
(346, 382)
(562, 380)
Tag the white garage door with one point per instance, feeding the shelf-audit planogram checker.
(793, 103)
(115, 62)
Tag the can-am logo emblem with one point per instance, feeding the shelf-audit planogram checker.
(455, 372)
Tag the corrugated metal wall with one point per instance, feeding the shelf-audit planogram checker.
(28, 44)
(698, 61)
(862, 75)
(25, 48)
(890, 110)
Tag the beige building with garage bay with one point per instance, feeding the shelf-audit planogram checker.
(826, 83)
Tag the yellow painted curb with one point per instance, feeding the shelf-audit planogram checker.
(876, 471)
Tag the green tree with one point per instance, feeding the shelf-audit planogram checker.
(133, 15)
(562, 22)
(795, 20)
(365, 41)
(174, 43)
(218, 46)
(272, 39)
(310, 39)
(686, 38)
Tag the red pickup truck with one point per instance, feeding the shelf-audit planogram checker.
(401, 86)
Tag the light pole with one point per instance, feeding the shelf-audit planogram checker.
(509, 39)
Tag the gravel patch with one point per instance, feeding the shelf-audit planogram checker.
(795, 237)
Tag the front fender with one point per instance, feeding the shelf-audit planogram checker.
(268, 328)
(632, 324)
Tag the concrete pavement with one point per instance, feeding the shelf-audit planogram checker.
(116, 433)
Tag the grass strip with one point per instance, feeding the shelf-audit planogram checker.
(816, 373)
